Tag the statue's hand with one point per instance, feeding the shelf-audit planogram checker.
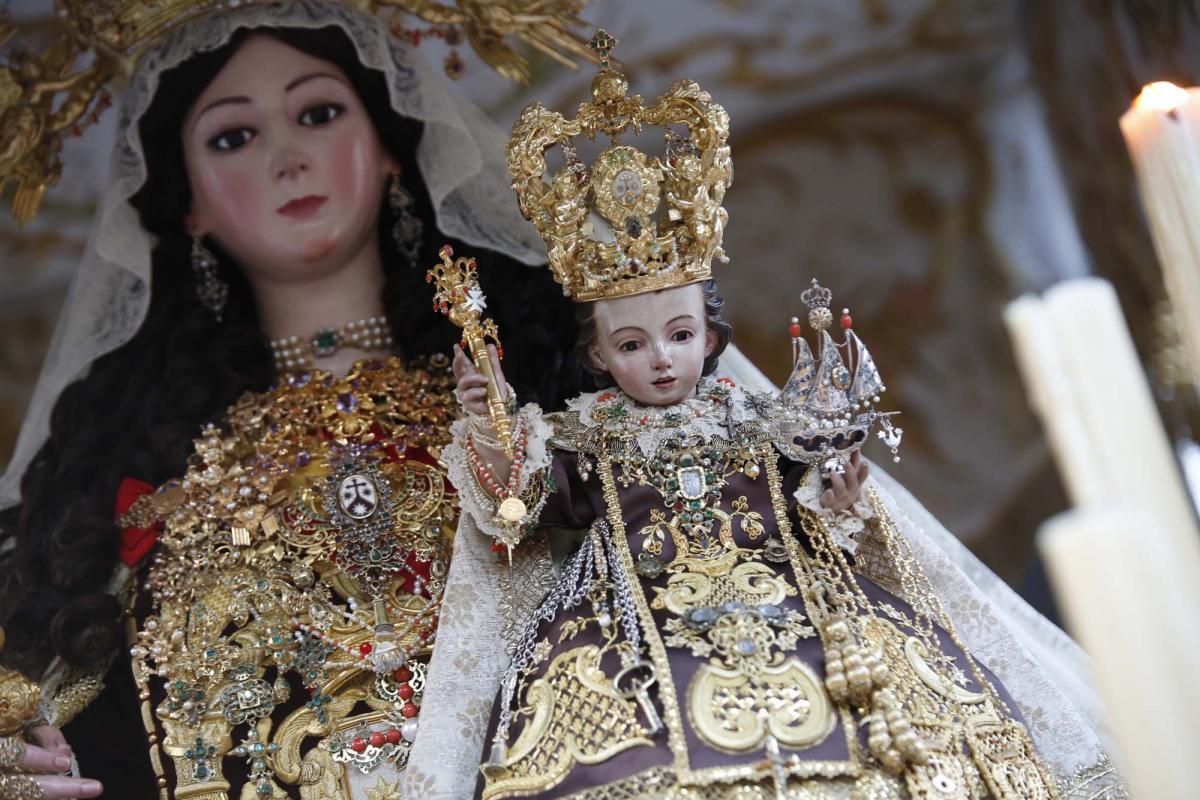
(42, 762)
(472, 384)
(845, 488)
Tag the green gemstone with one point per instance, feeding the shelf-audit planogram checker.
(325, 340)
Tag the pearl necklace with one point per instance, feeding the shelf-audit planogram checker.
(293, 353)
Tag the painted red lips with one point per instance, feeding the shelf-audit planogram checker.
(302, 207)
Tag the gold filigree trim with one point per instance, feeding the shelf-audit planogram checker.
(672, 717)
(575, 716)
(660, 784)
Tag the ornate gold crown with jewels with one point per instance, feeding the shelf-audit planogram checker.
(47, 96)
(631, 222)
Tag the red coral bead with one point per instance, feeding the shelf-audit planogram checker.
(358, 744)
(403, 675)
(405, 691)
(847, 320)
(377, 738)
(365, 648)
(393, 736)
(794, 328)
(410, 710)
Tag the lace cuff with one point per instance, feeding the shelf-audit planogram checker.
(482, 503)
(844, 526)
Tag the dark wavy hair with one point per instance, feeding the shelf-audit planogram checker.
(714, 320)
(136, 412)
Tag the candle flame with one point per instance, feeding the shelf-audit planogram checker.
(1161, 96)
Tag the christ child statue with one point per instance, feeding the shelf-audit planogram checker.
(730, 625)
(718, 624)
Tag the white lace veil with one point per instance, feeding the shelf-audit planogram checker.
(1043, 669)
(461, 157)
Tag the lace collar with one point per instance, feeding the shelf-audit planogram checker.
(715, 411)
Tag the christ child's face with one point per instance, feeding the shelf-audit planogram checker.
(286, 169)
(654, 344)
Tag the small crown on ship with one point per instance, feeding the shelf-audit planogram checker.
(630, 222)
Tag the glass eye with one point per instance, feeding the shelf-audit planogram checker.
(321, 114)
(230, 140)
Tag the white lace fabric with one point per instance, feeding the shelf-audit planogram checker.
(471, 498)
(461, 158)
(844, 526)
(1045, 672)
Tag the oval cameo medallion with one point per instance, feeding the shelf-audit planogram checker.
(358, 496)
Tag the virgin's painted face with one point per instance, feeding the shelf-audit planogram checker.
(654, 345)
(285, 167)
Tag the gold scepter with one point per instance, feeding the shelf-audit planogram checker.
(458, 296)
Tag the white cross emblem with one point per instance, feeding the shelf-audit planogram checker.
(358, 496)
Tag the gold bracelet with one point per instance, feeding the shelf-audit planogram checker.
(20, 787)
(12, 753)
(19, 698)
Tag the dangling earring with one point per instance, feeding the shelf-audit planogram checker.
(210, 289)
(409, 229)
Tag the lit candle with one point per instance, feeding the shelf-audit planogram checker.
(1162, 132)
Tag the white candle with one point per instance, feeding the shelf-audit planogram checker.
(1054, 400)
(1117, 588)
(1162, 132)
(1119, 415)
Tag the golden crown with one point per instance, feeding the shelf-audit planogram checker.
(47, 96)
(607, 232)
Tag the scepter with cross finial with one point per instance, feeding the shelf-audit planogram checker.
(458, 295)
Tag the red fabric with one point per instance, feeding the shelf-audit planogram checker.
(136, 543)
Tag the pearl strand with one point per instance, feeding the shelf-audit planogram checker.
(484, 473)
(294, 353)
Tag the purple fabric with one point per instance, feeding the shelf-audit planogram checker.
(576, 504)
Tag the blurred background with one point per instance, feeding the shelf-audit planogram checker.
(927, 160)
